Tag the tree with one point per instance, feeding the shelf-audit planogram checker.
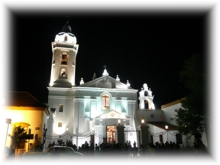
(190, 118)
(17, 136)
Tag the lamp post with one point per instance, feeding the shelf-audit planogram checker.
(120, 132)
(166, 127)
(67, 128)
(144, 135)
(8, 121)
(140, 134)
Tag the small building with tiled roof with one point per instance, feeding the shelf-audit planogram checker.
(23, 109)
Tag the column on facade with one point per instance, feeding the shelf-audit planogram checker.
(141, 103)
(104, 134)
(49, 134)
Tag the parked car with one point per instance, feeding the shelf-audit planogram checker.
(56, 153)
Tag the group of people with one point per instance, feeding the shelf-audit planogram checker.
(62, 143)
(167, 147)
(127, 149)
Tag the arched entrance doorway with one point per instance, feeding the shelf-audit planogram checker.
(111, 134)
(20, 144)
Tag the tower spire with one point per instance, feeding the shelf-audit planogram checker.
(67, 28)
(64, 62)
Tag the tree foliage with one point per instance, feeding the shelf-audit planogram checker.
(190, 117)
(189, 121)
(192, 76)
(17, 138)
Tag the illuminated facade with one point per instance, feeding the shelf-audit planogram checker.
(90, 109)
(64, 50)
(24, 110)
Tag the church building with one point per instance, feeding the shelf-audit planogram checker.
(91, 111)
(103, 110)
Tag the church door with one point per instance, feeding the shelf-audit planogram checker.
(111, 136)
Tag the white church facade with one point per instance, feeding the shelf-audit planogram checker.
(92, 111)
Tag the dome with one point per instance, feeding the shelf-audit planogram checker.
(66, 35)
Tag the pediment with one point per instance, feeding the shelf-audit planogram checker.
(105, 82)
(112, 114)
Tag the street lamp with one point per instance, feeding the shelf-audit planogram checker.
(8, 121)
(119, 121)
(166, 127)
(140, 133)
(67, 128)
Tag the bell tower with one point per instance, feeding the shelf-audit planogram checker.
(64, 50)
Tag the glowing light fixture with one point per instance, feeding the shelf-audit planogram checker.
(142, 121)
(67, 128)
(119, 121)
(166, 127)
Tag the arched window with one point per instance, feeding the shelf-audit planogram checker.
(105, 102)
(63, 59)
(63, 72)
(65, 38)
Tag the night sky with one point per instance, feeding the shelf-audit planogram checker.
(139, 47)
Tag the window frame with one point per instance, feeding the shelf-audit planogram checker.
(109, 101)
(61, 107)
(64, 58)
(60, 124)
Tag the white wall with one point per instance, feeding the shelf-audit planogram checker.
(170, 113)
(156, 132)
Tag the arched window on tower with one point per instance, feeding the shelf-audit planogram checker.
(65, 38)
(63, 72)
(63, 59)
(105, 102)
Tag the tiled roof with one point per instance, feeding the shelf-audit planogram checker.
(173, 103)
(22, 99)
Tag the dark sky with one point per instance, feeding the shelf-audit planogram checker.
(139, 47)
